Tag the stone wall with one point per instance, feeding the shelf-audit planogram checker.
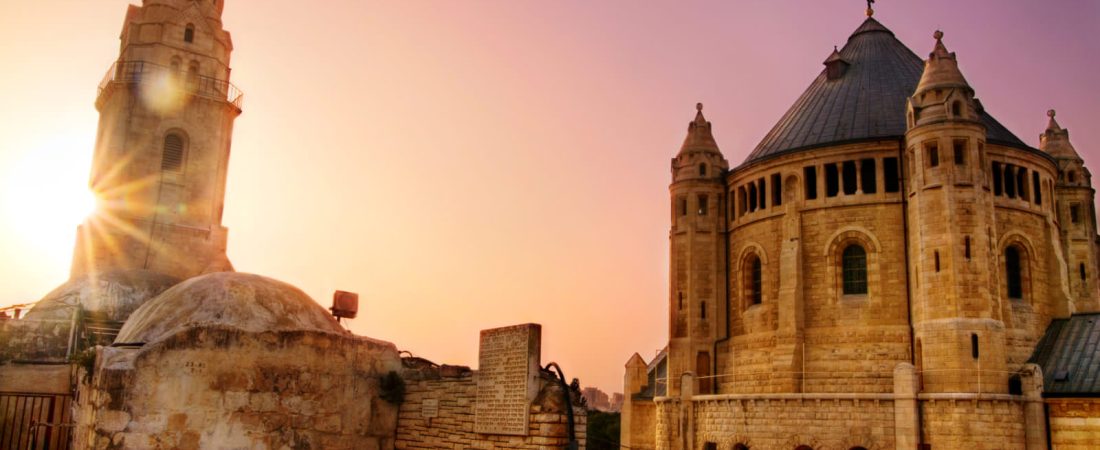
(1074, 423)
(974, 424)
(35, 340)
(438, 412)
(220, 387)
(786, 423)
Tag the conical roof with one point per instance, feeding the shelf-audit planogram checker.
(1055, 140)
(867, 102)
(699, 136)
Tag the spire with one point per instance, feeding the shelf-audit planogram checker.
(1055, 140)
(870, 8)
(699, 137)
(941, 70)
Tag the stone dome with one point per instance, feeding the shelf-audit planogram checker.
(246, 302)
(111, 295)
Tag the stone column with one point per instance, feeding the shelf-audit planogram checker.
(906, 407)
(1035, 418)
(687, 423)
(859, 176)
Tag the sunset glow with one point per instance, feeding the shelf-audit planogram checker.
(473, 164)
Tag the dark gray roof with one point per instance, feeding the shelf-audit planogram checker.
(867, 102)
(1069, 354)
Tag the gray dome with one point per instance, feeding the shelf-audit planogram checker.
(250, 303)
(111, 295)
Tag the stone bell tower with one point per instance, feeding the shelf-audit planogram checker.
(959, 333)
(1075, 200)
(697, 256)
(166, 122)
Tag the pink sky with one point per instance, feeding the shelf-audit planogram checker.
(471, 164)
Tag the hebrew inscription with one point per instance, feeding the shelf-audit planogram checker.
(507, 364)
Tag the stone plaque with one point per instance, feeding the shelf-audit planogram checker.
(508, 367)
(429, 408)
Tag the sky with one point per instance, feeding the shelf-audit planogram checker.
(471, 164)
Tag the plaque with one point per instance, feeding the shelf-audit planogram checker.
(429, 408)
(508, 367)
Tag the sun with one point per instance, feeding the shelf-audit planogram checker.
(46, 196)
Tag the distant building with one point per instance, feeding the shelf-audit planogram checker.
(890, 268)
(616, 402)
(596, 399)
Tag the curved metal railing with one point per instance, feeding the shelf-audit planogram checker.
(137, 72)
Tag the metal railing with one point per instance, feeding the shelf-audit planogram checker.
(35, 421)
(137, 72)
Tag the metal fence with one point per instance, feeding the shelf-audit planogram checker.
(35, 421)
(137, 72)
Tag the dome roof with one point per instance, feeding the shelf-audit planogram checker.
(866, 102)
(111, 295)
(250, 303)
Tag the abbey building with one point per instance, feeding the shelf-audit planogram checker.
(889, 268)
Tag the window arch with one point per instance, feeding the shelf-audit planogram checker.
(740, 447)
(753, 280)
(1014, 278)
(172, 159)
(854, 262)
(189, 33)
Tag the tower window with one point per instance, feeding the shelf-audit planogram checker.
(1014, 273)
(1071, 176)
(702, 170)
(683, 206)
(854, 262)
(890, 171)
(832, 180)
(703, 310)
(172, 159)
(1081, 269)
(998, 182)
(967, 250)
(867, 178)
(702, 205)
(1074, 213)
(933, 152)
(680, 296)
(849, 175)
(189, 33)
(959, 150)
(956, 109)
(974, 345)
(1010, 181)
(810, 174)
(762, 190)
(1036, 188)
(937, 257)
(754, 281)
(777, 190)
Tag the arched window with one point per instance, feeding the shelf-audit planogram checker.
(803, 447)
(172, 160)
(956, 109)
(740, 447)
(702, 169)
(189, 33)
(754, 277)
(854, 261)
(1014, 273)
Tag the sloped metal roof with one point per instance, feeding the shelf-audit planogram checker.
(1069, 354)
(867, 102)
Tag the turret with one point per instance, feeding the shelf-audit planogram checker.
(1076, 215)
(166, 121)
(697, 287)
(958, 328)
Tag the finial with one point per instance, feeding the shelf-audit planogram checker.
(1050, 114)
(938, 35)
(870, 9)
(699, 107)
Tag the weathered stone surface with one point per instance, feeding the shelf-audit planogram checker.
(508, 364)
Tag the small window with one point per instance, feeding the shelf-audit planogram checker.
(683, 206)
(1081, 269)
(680, 296)
(867, 178)
(959, 152)
(1074, 213)
(702, 170)
(933, 152)
(956, 109)
(810, 174)
(967, 249)
(1010, 181)
(1071, 176)
(974, 345)
(702, 204)
(189, 33)
(890, 172)
(762, 190)
(1036, 188)
(777, 190)
(854, 263)
(849, 175)
(998, 181)
(1013, 273)
(936, 254)
(832, 180)
(172, 159)
(754, 278)
(703, 310)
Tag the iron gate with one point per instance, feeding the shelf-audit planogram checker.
(35, 421)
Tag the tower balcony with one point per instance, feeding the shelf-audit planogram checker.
(144, 73)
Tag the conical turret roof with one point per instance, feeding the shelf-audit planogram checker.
(1055, 140)
(867, 102)
(699, 136)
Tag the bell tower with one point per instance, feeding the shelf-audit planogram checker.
(697, 256)
(162, 149)
(960, 342)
